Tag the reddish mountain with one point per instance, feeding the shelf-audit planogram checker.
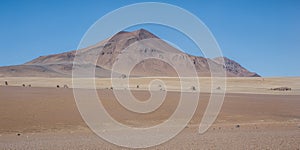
(134, 45)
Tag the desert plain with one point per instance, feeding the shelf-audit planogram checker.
(252, 116)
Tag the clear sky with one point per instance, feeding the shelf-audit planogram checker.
(263, 36)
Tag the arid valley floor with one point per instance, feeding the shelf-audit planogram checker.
(46, 117)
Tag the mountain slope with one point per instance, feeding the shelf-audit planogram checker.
(135, 45)
(235, 68)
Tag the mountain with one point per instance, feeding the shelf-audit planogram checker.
(133, 46)
(235, 68)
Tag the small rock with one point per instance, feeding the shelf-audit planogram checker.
(193, 88)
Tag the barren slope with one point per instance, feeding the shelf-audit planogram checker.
(136, 45)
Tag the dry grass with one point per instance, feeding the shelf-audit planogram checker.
(234, 84)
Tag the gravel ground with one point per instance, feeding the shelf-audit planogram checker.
(218, 137)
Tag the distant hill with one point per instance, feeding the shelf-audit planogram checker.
(132, 44)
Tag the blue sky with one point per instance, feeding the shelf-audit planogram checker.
(263, 36)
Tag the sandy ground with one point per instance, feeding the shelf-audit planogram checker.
(253, 85)
(47, 118)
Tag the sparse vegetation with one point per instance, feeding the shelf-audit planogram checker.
(123, 76)
(193, 88)
(281, 89)
(161, 89)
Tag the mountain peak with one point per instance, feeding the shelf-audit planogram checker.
(143, 34)
(140, 34)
